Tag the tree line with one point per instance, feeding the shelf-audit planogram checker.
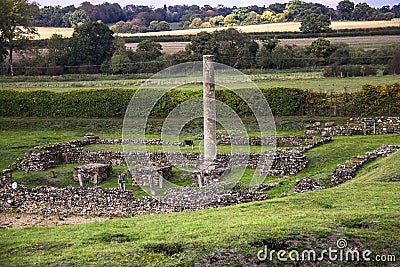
(141, 18)
(93, 49)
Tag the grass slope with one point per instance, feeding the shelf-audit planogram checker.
(364, 209)
(360, 209)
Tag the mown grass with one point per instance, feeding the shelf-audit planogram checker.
(312, 81)
(359, 209)
(365, 208)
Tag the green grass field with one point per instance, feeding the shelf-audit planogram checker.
(363, 211)
(312, 81)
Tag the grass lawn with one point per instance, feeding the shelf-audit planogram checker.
(312, 81)
(365, 211)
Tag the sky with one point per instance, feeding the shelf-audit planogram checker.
(230, 3)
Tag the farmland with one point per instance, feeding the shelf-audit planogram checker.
(366, 42)
(46, 32)
(312, 81)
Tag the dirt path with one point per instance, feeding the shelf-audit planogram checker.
(14, 220)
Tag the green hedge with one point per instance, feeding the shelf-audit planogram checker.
(370, 100)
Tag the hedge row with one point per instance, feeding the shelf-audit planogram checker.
(370, 100)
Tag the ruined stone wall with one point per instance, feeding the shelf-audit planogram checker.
(284, 141)
(346, 171)
(356, 126)
(42, 158)
(108, 202)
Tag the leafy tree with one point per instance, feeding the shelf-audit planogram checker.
(57, 50)
(149, 50)
(396, 10)
(267, 16)
(231, 46)
(321, 48)
(314, 23)
(217, 21)
(201, 44)
(159, 26)
(196, 23)
(263, 57)
(277, 7)
(124, 27)
(206, 25)
(345, 9)
(281, 57)
(77, 17)
(240, 14)
(394, 65)
(363, 11)
(341, 55)
(230, 20)
(16, 25)
(297, 10)
(252, 18)
(52, 16)
(91, 42)
(145, 57)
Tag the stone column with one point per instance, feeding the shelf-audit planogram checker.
(209, 109)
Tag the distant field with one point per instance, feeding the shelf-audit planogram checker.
(366, 42)
(312, 81)
(46, 32)
(278, 27)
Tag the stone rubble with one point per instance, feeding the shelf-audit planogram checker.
(357, 126)
(307, 184)
(346, 171)
(114, 202)
(280, 162)
(93, 173)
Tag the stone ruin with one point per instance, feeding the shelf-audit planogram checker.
(281, 162)
(112, 201)
(93, 173)
(347, 171)
(96, 201)
(307, 184)
(151, 176)
(356, 126)
(206, 176)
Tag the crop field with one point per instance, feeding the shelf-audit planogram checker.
(278, 27)
(365, 42)
(46, 32)
(363, 211)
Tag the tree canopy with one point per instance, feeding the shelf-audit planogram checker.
(15, 26)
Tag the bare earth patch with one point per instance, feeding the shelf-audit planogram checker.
(16, 220)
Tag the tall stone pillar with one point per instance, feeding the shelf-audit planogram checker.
(209, 109)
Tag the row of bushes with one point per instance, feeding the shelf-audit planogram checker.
(337, 70)
(370, 100)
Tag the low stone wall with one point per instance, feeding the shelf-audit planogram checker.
(357, 126)
(93, 173)
(346, 171)
(144, 176)
(307, 184)
(284, 141)
(279, 162)
(110, 202)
